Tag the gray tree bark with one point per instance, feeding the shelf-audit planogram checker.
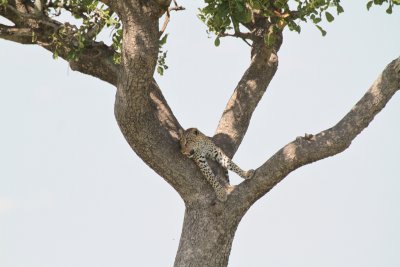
(207, 237)
(151, 129)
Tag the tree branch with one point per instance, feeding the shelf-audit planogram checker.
(15, 34)
(151, 129)
(168, 17)
(238, 34)
(95, 59)
(143, 115)
(236, 117)
(308, 149)
(9, 13)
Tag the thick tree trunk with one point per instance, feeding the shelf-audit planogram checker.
(150, 128)
(207, 236)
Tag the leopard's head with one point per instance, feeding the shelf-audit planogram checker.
(187, 139)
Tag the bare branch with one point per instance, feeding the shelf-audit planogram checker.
(95, 59)
(168, 17)
(97, 62)
(238, 34)
(308, 149)
(237, 114)
(23, 15)
(9, 13)
(245, 36)
(15, 34)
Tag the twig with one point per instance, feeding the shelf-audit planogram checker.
(23, 15)
(244, 40)
(243, 35)
(168, 17)
(166, 21)
(237, 34)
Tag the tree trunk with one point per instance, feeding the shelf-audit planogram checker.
(207, 236)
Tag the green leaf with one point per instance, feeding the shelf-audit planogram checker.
(163, 40)
(369, 4)
(217, 41)
(55, 55)
(316, 20)
(339, 9)
(379, 2)
(160, 70)
(117, 58)
(323, 32)
(329, 16)
(255, 4)
(389, 9)
(294, 27)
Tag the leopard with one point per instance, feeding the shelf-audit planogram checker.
(199, 147)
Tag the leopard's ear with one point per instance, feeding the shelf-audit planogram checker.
(180, 132)
(196, 132)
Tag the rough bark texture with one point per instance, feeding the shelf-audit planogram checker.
(151, 128)
(236, 117)
(237, 114)
(207, 237)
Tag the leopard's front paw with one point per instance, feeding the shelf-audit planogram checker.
(250, 174)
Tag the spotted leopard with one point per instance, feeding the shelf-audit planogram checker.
(199, 147)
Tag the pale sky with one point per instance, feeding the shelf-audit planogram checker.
(73, 194)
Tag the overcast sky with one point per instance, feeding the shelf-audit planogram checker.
(73, 194)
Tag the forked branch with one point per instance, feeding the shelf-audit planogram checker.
(308, 149)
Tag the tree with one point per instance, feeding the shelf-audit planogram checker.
(155, 123)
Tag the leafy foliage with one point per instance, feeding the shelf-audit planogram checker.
(390, 4)
(222, 16)
(94, 16)
(73, 26)
(262, 19)
(162, 55)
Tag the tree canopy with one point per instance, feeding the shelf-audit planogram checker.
(68, 27)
